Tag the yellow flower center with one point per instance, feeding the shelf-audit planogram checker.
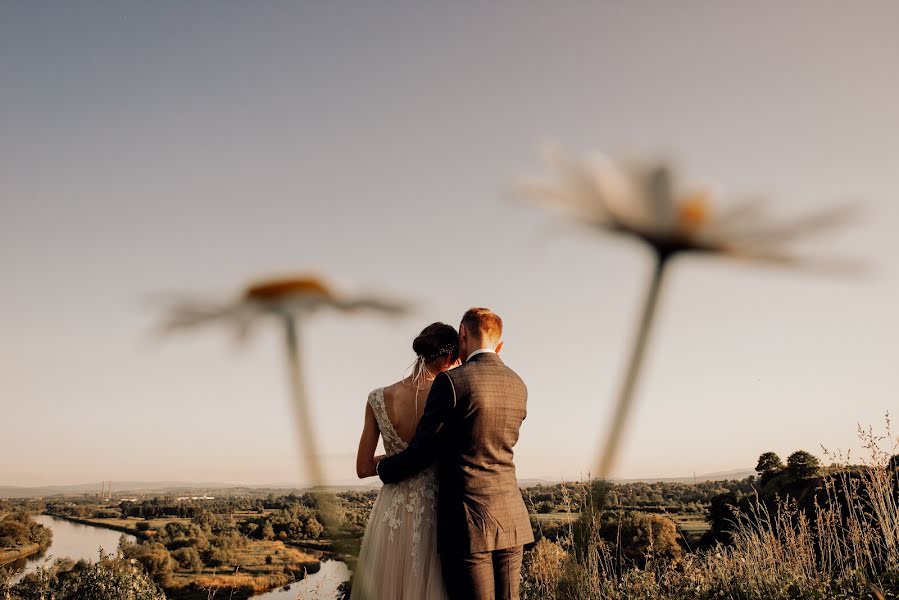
(279, 288)
(694, 211)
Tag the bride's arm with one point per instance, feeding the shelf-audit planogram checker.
(368, 443)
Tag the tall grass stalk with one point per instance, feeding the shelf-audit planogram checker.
(846, 545)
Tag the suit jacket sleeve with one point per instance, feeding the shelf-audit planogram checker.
(422, 450)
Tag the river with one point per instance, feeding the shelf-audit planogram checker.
(77, 541)
(321, 585)
(72, 540)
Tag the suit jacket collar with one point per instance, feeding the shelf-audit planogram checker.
(484, 356)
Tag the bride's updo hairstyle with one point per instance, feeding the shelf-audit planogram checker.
(437, 340)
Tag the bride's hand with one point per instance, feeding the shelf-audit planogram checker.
(375, 462)
(372, 468)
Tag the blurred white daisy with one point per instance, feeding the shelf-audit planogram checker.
(288, 301)
(642, 201)
(290, 297)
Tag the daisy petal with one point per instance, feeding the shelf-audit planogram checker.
(801, 227)
(373, 304)
(741, 215)
(831, 266)
(563, 200)
(186, 314)
(620, 192)
(578, 181)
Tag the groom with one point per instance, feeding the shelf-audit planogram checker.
(470, 425)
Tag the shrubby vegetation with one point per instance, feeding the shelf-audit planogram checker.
(238, 546)
(295, 521)
(108, 579)
(799, 531)
(662, 496)
(19, 529)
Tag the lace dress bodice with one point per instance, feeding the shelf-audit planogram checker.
(393, 443)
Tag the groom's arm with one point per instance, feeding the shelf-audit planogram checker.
(422, 449)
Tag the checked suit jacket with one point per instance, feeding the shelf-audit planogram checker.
(470, 424)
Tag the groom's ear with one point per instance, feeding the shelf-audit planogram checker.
(499, 347)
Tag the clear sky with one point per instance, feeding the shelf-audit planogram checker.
(154, 147)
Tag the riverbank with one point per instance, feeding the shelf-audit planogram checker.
(9, 555)
(102, 523)
(22, 537)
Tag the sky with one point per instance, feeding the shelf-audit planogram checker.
(149, 149)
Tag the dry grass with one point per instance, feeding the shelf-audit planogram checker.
(847, 548)
(562, 517)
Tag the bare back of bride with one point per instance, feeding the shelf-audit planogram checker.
(398, 559)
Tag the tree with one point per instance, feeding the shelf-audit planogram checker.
(313, 528)
(769, 462)
(156, 560)
(802, 465)
(639, 535)
(18, 529)
(768, 466)
(188, 559)
(268, 533)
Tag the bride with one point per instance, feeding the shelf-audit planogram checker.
(398, 559)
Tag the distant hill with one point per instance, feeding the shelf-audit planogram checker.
(172, 488)
(117, 487)
(737, 474)
(213, 487)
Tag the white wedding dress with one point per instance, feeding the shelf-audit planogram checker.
(398, 559)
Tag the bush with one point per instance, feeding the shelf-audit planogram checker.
(19, 529)
(217, 557)
(107, 580)
(188, 559)
(154, 557)
(640, 536)
(106, 513)
(313, 529)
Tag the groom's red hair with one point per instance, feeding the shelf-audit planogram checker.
(483, 323)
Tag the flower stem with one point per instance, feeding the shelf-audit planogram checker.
(308, 441)
(626, 393)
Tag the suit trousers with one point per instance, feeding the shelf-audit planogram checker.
(492, 575)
